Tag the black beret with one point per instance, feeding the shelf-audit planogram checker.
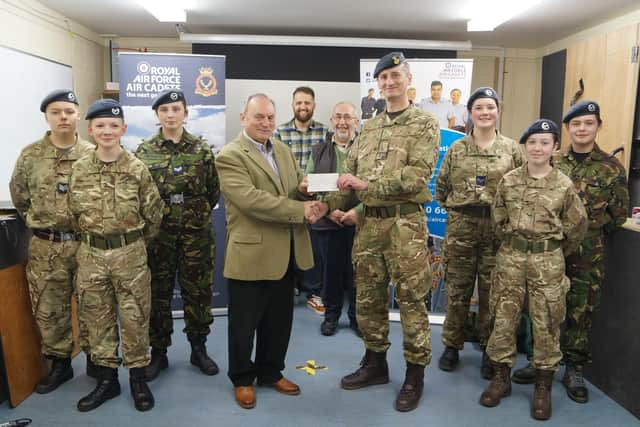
(104, 108)
(167, 97)
(65, 95)
(540, 126)
(389, 60)
(582, 108)
(483, 92)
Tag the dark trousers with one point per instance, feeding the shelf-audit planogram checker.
(312, 278)
(262, 309)
(334, 247)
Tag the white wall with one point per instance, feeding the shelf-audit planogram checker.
(30, 27)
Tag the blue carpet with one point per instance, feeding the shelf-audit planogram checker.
(185, 397)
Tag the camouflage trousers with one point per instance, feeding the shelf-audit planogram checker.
(585, 269)
(190, 254)
(539, 276)
(114, 287)
(393, 249)
(50, 273)
(469, 254)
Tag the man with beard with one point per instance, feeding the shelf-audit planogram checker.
(300, 133)
(335, 233)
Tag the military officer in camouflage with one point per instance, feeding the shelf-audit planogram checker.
(466, 186)
(40, 192)
(539, 219)
(388, 168)
(183, 168)
(117, 207)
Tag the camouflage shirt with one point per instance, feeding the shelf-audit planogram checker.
(469, 175)
(539, 209)
(601, 183)
(397, 157)
(187, 167)
(40, 183)
(116, 197)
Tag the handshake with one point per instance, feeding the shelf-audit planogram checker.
(314, 210)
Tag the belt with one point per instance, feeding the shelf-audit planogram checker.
(56, 236)
(478, 211)
(111, 242)
(179, 198)
(390, 211)
(533, 246)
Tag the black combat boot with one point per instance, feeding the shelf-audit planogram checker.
(107, 388)
(526, 375)
(142, 397)
(449, 359)
(201, 359)
(499, 386)
(92, 370)
(329, 326)
(60, 372)
(373, 370)
(574, 383)
(411, 391)
(486, 369)
(159, 362)
(541, 403)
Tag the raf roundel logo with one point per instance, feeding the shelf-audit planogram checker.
(173, 96)
(545, 126)
(71, 96)
(591, 107)
(488, 92)
(143, 67)
(115, 111)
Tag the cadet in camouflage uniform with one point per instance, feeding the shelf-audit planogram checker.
(601, 183)
(183, 168)
(118, 208)
(40, 192)
(388, 168)
(539, 219)
(466, 186)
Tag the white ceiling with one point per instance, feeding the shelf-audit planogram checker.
(550, 20)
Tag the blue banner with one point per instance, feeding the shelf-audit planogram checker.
(436, 214)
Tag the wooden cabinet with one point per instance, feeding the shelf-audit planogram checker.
(24, 363)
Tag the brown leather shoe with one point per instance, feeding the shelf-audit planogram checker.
(284, 386)
(245, 396)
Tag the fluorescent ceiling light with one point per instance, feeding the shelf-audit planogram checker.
(488, 14)
(323, 41)
(165, 10)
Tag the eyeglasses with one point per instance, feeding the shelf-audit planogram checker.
(345, 117)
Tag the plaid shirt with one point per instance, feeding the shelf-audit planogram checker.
(300, 142)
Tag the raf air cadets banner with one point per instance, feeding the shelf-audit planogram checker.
(442, 87)
(202, 79)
